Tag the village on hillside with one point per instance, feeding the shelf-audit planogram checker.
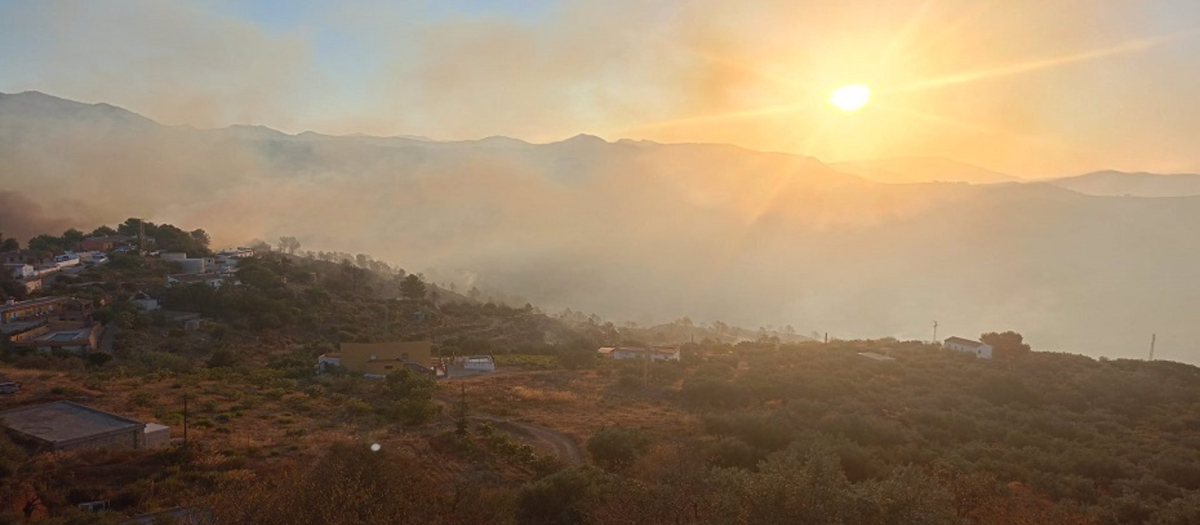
(146, 378)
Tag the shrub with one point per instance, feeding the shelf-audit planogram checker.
(733, 452)
(560, 498)
(617, 447)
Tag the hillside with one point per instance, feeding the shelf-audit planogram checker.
(645, 232)
(915, 170)
(1123, 184)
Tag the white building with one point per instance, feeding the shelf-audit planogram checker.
(653, 353)
(209, 279)
(482, 363)
(980, 350)
(187, 264)
(66, 260)
(223, 264)
(145, 302)
(20, 270)
(237, 253)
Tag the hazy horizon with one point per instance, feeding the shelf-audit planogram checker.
(786, 164)
(1017, 91)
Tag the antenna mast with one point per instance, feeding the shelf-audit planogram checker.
(1153, 339)
(935, 332)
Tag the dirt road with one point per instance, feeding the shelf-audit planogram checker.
(542, 438)
(546, 440)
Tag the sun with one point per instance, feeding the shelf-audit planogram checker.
(850, 97)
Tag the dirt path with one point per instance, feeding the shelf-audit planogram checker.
(546, 439)
(542, 438)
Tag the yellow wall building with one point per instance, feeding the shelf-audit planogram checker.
(380, 359)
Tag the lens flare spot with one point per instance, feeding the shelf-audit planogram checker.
(850, 97)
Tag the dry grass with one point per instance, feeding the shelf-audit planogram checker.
(525, 393)
(575, 403)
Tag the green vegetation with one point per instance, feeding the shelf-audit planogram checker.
(616, 447)
(758, 431)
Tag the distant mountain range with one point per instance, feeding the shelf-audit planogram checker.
(1121, 184)
(646, 231)
(911, 170)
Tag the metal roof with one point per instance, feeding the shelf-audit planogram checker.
(62, 422)
(964, 342)
(32, 303)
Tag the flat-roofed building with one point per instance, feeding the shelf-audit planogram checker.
(63, 338)
(63, 425)
(381, 359)
(40, 308)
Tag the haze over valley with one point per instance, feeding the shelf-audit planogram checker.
(648, 232)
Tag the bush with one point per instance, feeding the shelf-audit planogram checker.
(733, 452)
(222, 357)
(98, 359)
(705, 392)
(560, 498)
(617, 447)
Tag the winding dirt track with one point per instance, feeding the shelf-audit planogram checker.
(542, 438)
(546, 439)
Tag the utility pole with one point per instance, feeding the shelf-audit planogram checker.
(826, 337)
(935, 332)
(1153, 339)
(646, 371)
(185, 415)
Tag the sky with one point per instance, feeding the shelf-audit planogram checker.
(1032, 88)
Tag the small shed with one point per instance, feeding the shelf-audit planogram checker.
(483, 363)
(155, 435)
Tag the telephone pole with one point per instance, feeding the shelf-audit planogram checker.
(646, 371)
(935, 332)
(185, 415)
(1153, 339)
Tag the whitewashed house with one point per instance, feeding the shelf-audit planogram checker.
(20, 270)
(980, 350)
(145, 302)
(237, 253)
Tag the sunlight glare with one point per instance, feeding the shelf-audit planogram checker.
(850, 97)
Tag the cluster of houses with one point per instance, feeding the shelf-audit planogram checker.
(30, 267)
(50, 325)
(381, 359)
(217, 271)
(671, 353)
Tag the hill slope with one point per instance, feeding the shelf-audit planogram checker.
(912, 170)
(649, 232)
(1119, 183)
